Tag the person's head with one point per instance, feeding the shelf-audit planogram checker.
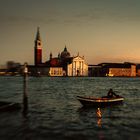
(110, 90)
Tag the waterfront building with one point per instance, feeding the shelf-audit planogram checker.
(119, 69)
(77, 67)
(94, 71)
(38, 70)
(11, 68)
(65, 65)
(113, 70)
(138, 70)
(62, 65)
(3, 71)
(56, 71)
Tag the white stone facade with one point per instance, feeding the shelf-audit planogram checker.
(78, 67)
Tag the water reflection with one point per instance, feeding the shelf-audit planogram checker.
(99, 116)
(25, 94)
(99, 122)
(94, 115)
(92, 118)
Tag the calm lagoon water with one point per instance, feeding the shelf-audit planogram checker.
(55, 113)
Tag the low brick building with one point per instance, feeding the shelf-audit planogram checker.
(113, 70)
(119, 69)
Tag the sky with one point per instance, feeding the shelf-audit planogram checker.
(99, 30)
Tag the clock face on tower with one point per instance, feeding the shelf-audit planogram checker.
(39, 43)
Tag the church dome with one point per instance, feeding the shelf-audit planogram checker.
(65, 53)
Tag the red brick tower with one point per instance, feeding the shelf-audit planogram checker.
(38, 49)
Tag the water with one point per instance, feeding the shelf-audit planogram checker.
(55, 113)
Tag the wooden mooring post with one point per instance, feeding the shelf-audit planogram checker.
(25, 95)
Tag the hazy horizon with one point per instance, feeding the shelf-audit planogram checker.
(102, 31)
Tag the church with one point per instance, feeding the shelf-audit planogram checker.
(62, 65)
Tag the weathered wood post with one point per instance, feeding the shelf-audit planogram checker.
(25, 95)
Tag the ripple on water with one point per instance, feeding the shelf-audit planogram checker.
(55, 113)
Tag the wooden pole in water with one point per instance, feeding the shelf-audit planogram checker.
(25, 95)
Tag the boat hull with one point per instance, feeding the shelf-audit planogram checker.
(9, 106)
(100, 102)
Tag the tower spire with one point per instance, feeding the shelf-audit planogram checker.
(65, 49)
(50, 55)
(38, 49)
(38, 34)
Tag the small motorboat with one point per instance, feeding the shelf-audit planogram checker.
(100, 102)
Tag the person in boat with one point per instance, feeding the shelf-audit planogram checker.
(111, 94)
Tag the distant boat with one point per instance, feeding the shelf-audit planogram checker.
(100, 102)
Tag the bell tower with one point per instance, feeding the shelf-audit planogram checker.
(38, 49)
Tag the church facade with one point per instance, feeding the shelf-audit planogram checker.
(77, 67)
(62, 65)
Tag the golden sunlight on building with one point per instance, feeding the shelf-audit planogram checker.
(78, 67)
(56, 71)
(126, 70)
